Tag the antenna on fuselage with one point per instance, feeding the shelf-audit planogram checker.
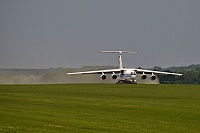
(120, 56)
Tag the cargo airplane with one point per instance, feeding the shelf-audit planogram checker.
(125, 75)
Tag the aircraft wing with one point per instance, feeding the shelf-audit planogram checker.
(119, 70)
(97, 72)
(156, 72)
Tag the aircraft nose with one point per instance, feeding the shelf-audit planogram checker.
(133, 77)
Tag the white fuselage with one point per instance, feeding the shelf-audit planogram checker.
(127, 76)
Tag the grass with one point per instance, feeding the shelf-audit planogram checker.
(100, 108)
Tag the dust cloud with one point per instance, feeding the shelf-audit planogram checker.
(56, 76)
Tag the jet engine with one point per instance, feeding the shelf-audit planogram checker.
(144, 76)
(103, 76)
(114, 76)
(153, 77)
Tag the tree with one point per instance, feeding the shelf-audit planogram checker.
(190, 76)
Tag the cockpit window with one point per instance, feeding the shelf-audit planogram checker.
(133, 73)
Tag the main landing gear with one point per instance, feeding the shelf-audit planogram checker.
(126, 82)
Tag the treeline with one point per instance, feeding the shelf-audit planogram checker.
(191, 75)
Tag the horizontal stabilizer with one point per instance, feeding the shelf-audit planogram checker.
(120, 56)
(120, 52)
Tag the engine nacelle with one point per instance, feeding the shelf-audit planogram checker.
(103, 76)
(114, 76)
(144, 76)
(153, 77)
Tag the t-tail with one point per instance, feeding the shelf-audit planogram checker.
(120, 56)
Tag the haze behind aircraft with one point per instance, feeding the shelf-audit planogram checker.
(125, 75)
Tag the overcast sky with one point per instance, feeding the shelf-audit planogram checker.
(69, 33)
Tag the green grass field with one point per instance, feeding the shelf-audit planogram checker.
(100, 108)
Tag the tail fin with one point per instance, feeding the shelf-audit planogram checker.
(120, 56)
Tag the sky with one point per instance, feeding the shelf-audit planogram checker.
(70, 33)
